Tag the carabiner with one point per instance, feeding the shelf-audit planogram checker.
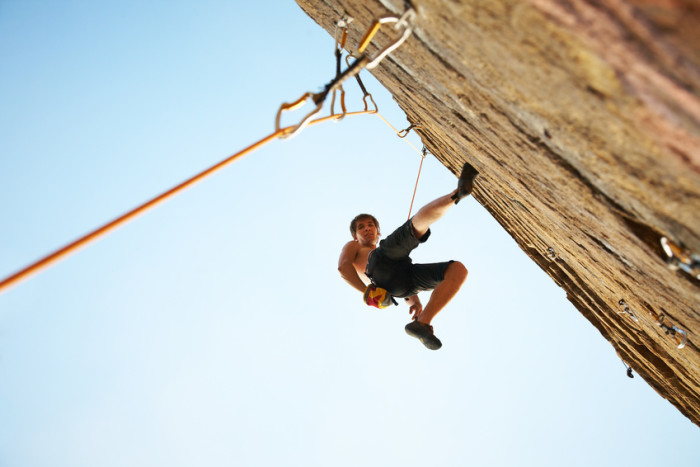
(317, 98)
(405, 21)
(403, 133)
(342, 104)
(624, 308)
(343, 24)
(363, 61)
(683, 337)
(365, 93)
(295, 105)
(678, 257)
(364, 99)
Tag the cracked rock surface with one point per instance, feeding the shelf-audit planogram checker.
(583, 118)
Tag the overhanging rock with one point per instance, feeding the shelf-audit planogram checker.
(584, 120)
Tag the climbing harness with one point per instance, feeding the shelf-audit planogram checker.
(403, 24)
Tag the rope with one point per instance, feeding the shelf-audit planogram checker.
(402, 134)
(415, 189)
(403, 22)
(88, 238)
(398, 133)
(364, 61)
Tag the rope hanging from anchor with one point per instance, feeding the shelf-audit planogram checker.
(425, 153)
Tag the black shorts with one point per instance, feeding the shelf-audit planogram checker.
(390, 267)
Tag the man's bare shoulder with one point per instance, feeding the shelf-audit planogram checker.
(350, 249)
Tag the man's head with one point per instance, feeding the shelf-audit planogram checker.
(361, 222)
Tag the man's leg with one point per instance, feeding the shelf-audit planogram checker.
(455, 275)
(420, 328)
(433, 211)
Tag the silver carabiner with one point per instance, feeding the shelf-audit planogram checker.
(406, 21)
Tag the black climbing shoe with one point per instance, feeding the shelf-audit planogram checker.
(466, 182)
(423, 332)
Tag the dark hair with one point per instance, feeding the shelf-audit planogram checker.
(358, 218)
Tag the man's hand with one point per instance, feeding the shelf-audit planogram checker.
(414, 306)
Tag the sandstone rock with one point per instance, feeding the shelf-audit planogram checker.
(584, 119)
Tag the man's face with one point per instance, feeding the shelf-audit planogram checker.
(366, 232)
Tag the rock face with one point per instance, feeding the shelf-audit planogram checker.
(583, 117)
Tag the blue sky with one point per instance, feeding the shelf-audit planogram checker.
(215, 330)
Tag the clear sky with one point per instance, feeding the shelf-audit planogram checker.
(215, 330)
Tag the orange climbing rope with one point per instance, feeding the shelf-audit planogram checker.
(123, 219)
(364, 61)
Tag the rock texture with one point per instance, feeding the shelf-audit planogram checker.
(584, 119)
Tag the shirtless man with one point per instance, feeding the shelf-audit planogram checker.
(389, 266)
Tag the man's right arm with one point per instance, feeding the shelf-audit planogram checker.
(346, 268)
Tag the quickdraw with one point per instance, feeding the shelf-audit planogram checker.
(677, 334)
(361, 62)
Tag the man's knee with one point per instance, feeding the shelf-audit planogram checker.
(457, 272)
(420, 232)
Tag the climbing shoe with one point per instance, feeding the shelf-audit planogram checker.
(466, 182)
(424, 333)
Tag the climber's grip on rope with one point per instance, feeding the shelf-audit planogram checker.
(371, 266)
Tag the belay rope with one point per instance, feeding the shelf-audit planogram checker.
(403, 24)
(415, 189)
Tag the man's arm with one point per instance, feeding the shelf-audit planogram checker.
(414, 306)
(346, 268)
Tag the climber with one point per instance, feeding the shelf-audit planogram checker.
(386, 271)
